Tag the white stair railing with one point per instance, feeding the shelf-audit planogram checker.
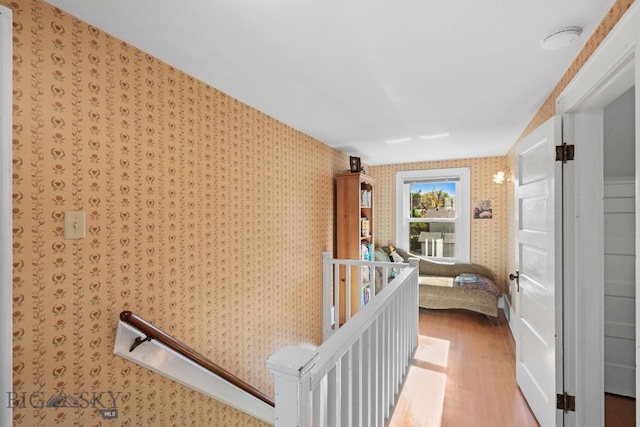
(354, 377)
(337, 274)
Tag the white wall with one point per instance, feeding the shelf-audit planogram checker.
(619, 245)
(619, 134)
(619, 248)
(619, 288)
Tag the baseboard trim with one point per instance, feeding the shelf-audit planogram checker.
(510, 315)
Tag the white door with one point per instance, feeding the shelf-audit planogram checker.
(538, 259)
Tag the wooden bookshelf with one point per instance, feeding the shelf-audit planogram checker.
(355, 233)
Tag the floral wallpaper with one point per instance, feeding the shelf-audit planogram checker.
(487, 236)
(203, 215)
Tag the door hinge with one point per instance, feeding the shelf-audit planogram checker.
(566, 402)
(564, 152)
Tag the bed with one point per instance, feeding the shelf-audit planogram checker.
(452, 285)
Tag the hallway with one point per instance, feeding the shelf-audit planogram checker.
(463, 375)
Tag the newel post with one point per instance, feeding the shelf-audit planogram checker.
(290, 367)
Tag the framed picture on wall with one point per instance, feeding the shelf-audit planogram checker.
(355, 164)
(483, 209)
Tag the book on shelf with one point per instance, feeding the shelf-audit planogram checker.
(366, 251)
(364, 227)
(365, 198)
(366, 274)
(366, 295)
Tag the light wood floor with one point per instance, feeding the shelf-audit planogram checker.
(463, 375)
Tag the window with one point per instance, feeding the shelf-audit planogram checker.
(433, 214)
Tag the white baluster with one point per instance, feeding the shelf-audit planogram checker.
(327, 319)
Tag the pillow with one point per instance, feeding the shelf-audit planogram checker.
(466, 277)
(395, 257)
(381, 256)
(477, 281)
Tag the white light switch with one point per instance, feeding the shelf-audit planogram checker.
(74, 225)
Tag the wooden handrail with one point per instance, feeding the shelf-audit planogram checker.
(157, 334)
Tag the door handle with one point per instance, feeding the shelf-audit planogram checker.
(515, 277)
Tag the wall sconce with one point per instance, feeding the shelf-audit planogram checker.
(502, 175)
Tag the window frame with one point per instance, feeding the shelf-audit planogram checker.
(463, 207)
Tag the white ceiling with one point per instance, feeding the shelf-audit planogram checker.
(355, 73)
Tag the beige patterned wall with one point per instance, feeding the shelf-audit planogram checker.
(548, 108)
(487, 236)
(204, 216)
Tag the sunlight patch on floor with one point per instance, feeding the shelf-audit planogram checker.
(421, 400)
(432, 350)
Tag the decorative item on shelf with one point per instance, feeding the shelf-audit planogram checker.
(354, 162)
(501, 176)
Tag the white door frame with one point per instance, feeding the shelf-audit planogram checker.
(611, 70)
(6, 97)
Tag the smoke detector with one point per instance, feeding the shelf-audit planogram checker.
(561, 38)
